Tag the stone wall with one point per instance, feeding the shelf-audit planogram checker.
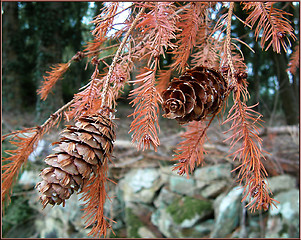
(154, 202)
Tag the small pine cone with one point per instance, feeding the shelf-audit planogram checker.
(195, 94)
(80, 149)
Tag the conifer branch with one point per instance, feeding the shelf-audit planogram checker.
(244, 120)
(190, 151)
(163, 79)
(114, 15)
(88, 100)
(145, 123)
(111, 69)
(275, 27)
(53, 76)
(208, 48)
(95, 195)
(190, 21)
(103, 24)
(160, 24)
(251, 170)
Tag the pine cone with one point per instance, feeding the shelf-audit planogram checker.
(195, 94)
(80, 149)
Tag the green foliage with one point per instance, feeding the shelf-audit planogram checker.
(18, 215)
(186, 208)
(133, 224)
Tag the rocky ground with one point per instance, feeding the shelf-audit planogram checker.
(151, 201)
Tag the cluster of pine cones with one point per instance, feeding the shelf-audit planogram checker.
(197, 93)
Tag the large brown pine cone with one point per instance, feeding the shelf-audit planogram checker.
(195, 94)
(80, 149)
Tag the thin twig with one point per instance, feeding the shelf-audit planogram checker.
(50, 119)
(57, 112)
(109, 75)
(228, 39)
(101, 49)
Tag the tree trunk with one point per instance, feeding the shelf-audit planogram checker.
(11, 44)
(286, 90)
(50, 53)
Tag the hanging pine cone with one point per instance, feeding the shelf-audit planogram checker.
(195, 94)
(80, 149)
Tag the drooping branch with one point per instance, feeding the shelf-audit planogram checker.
(160, 25)
(95, 188)
(244, 130)
(145, 100)
(190, 151)
(271, 21)
(191, 19)
(106, 83)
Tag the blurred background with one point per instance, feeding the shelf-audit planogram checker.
(149, 200)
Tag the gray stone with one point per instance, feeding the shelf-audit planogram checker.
(213, 189)
(281, 183)
(288, 206)
(284, 219)
(43, 148)
(142, 178)
(201, 184)
(133, 223)
(136, 217)
(227, 214)
(254, 234)
(200, 230)
(215, 172)
(217, 202)
(144, 232)
(164, 222)
(169, 225)
(254, 227)
(166, 172)
(29, 178)
(274, 226)
(187, 211)
(165, 198)
(188, 223)
(182, 185)
(63, 222)
(203, 229)
(140, 185)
